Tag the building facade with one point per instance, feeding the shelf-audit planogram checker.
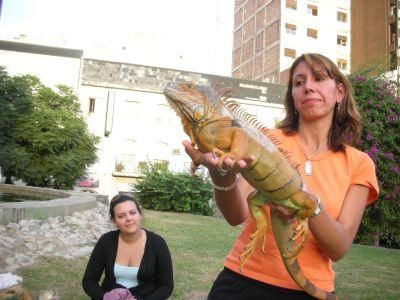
(53, 65)
(125, 106)
(270, 34)
(377, 44)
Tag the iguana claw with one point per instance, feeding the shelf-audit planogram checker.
(258, 236)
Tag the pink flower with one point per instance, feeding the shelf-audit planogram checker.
(374, 150)
(394, 169)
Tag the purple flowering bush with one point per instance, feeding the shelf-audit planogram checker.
(379, 106)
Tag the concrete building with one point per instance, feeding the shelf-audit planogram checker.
(124, 105)
(53, 65)
(270, 34)
(375, 34)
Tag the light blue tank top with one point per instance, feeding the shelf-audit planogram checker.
(126, 276)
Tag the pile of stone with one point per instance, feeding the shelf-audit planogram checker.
(68, 236)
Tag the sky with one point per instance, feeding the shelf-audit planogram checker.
(194, 35)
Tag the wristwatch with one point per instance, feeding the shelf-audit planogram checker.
(318, 208)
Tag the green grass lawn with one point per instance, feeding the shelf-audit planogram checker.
(198, 246)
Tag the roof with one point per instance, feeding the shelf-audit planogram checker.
(40, 49)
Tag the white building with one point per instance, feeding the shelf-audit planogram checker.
(53, 65)
(124, 105)
(321, 26)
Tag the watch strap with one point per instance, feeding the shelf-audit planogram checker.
(318, 208)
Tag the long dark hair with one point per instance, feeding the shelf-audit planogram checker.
(346, 123)
(117, 199)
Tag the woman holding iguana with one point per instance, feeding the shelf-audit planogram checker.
(320, 129)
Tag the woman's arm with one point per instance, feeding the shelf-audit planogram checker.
(93, 272)
(232, 203)
(164, 273)
(335, 237)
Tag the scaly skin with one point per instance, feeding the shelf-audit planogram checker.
(213, 127)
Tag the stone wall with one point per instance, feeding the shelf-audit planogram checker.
(66, 203)
(153, 79)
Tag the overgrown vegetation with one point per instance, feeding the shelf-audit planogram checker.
(380, 110)
(163, 190)
(47, 142)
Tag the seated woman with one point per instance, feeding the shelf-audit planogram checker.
(136, 262)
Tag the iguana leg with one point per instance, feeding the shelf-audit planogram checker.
(306, 202)
(255, 202)
(296, 241)
(295, 232)
(238, 146)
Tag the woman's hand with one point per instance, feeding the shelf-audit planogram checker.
(231, 202)
(211, 162)
(118, 294)
(283, 213)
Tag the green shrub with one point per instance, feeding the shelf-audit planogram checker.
(163, 190)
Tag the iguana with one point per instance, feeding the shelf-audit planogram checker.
(227, 131)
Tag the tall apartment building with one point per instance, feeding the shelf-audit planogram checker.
(375, 33)
(270, 34)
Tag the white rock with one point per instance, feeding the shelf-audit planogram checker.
(70, 236)
(12, 229)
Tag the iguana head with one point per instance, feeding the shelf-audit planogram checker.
(196, 103)
(188, 100)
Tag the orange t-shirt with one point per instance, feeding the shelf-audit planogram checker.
(332, 175)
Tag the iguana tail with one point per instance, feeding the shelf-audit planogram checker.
(292, 265)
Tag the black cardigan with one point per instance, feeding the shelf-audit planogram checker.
(155, 275)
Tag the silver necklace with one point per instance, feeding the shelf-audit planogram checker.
(308, 162)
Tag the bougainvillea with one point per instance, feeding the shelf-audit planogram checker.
(380, 109)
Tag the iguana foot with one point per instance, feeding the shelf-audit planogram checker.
(255, 238)
(255, 202)
(306, 201)
(225, 155)
(296, 241)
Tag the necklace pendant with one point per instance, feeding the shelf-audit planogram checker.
(308, 168)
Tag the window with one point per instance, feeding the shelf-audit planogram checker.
(312, 10)
(92, 102)
(392, 9)
(342, 64)
(290, 28)
(342, 40)
(291, 4)
(290, 52)
(312, 33)
(342, 17)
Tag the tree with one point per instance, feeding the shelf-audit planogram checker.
(15, 101)
(380, 110)
(53, 147)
